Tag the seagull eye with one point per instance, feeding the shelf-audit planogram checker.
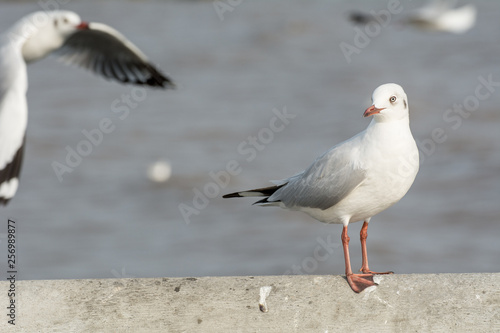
(392, 99)
(65, 20)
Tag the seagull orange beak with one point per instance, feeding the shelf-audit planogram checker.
(371, 111)
(83, 26)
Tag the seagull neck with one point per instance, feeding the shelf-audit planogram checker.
(380, 119)
(33, 36)
(21, 31)
(387, 127)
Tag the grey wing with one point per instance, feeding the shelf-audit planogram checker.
(105, 51)
(325, 183)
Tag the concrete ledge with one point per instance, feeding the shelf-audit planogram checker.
(401, 303)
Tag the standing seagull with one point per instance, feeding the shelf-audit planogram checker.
(94, 46)
(357, 178)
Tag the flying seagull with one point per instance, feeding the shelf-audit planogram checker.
(436, 15)
(441, 15)
(94, 46)
(356, 179)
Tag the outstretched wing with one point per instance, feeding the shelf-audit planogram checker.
(107, 52)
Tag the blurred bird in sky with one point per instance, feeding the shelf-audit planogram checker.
(94, 46)
(440, 15)
(436, 15)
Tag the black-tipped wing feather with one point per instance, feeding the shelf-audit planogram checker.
(258, 192)
(105, 51)
(9, 176)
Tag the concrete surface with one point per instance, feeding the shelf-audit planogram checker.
(401, 303)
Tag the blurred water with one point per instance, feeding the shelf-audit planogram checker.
(106, 219)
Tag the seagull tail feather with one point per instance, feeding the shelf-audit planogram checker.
(258, 192)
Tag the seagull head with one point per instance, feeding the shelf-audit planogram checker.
(66, 22)
(389, 103)
(47, 31)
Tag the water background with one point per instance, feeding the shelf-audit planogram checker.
(107, 219)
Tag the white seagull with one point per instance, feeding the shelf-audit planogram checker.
(356, 179)
(439, 15)
(94, 46)
(436, 15)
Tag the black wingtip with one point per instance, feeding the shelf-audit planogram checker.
(258, 192)
(261, 201)
(232, 195)
(158, 79)
(11, 171)
(168, 84)
(161, 81)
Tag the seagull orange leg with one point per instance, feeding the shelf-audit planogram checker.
(363, 235)
(357, 282)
